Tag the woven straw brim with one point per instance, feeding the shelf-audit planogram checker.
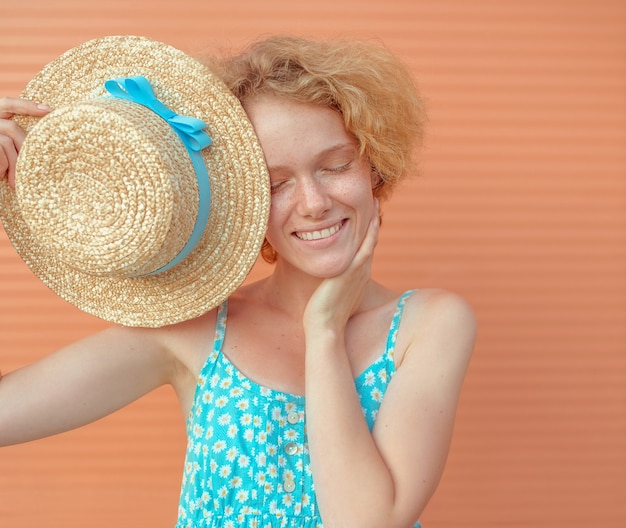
(240, 197)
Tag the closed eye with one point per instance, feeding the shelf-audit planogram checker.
(275, 186)
(339, 169)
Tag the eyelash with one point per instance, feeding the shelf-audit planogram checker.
(335, 170)
(275, 186)
(342, 168)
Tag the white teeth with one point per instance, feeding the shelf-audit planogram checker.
(317, 235)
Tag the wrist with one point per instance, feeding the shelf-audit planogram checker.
(323, 333)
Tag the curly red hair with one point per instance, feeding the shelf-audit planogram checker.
(368, 85)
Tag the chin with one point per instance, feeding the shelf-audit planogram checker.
(325, 270)
(322, 264)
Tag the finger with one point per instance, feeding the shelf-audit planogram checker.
(9, 148)
(8, 159)
(12, 132)
(11, 139)
(10, 106)
(7, 167)
(4, 162)
(12, 156)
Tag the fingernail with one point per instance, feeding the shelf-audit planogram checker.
(44, 107)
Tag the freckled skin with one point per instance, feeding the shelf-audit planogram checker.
(318, 181)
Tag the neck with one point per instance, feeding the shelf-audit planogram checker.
(289, 288)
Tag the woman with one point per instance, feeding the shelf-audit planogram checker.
(316, 396)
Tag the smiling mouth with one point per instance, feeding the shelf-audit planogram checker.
(318, 235)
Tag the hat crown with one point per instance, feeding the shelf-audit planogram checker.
(115, 192)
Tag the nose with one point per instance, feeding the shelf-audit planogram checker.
(312, 197)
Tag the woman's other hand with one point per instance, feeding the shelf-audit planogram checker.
(11, 134)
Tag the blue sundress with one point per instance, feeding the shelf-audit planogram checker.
(247, 463)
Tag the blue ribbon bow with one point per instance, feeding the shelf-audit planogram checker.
(191, 131)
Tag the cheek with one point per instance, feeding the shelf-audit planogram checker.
(362, 194)
(354, 187)
(275, 221)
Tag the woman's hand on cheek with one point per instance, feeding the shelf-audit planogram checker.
(336, 298)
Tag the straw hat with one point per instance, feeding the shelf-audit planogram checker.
(113, 209)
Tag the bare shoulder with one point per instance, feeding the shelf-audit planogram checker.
(185, 348)
(439, 321)
(188, 343)
(447, 307)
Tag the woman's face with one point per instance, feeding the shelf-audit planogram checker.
(322, 198)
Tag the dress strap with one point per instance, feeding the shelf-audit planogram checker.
(218, 340)
(220, 326)
(395, 324)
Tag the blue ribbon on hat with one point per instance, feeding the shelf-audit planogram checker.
(191, 131)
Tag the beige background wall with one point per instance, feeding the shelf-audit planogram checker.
(521, 208)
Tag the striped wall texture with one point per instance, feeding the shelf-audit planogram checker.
(520, 207)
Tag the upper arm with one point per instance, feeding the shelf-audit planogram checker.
(414, 426)
(82, 383)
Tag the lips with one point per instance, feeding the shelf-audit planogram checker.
(321, 234)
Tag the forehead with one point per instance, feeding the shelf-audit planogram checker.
(286, 126)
